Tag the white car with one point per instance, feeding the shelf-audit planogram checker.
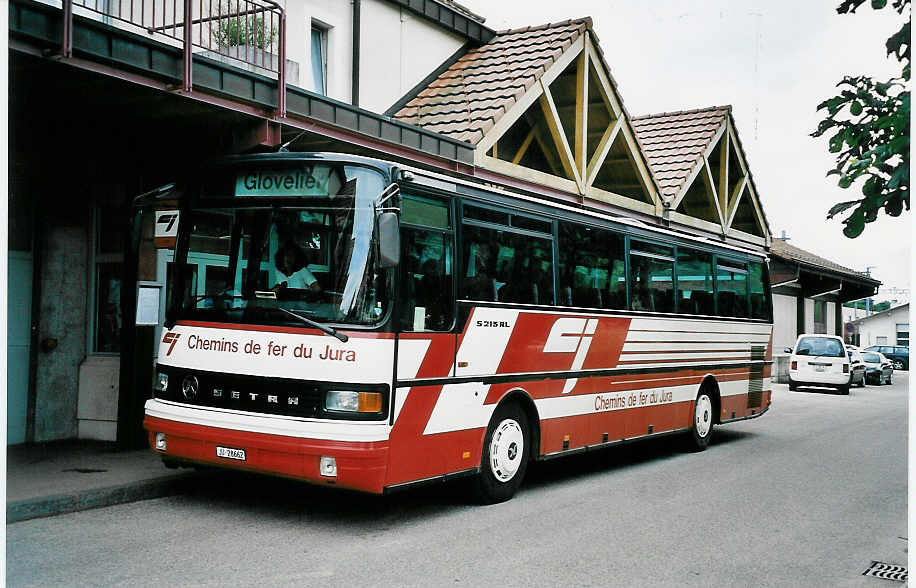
(819, 360)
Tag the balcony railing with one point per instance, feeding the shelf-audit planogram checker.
(250, 32)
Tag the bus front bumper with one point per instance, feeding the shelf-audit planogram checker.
(359, 465)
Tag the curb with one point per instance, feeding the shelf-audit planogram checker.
(49, 506)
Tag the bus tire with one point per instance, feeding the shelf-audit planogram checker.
(792, 386)
(843, 390)
(505, 454)
(704, 420)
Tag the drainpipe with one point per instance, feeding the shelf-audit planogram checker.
(354, 84)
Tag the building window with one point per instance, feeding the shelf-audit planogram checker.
(820, 316)
(880, 340)
(903, 334)
(108, 255)
(320, 59)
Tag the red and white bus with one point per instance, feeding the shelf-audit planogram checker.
(343, 320)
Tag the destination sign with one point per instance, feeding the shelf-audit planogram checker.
(307, 181)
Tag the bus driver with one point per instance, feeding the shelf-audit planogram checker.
(290, 260)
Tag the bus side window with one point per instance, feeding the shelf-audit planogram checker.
(504, 266)
(694, 282)
(731, 283)
(426, 266)
(479, 251)
(651, 277)
(760, 307)
(591, 267)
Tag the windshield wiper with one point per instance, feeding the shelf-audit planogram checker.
(343, 338)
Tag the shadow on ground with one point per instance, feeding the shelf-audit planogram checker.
(284, 500)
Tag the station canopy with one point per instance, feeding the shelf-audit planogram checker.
(539, 104)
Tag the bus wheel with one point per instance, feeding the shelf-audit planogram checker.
(703, 421)
(506, 448)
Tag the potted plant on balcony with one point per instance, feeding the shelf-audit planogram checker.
(247, 38)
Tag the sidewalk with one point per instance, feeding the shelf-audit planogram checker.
(55, 478)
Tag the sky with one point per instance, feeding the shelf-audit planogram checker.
(774, 62)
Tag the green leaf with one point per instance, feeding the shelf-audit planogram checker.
(901, 177)
(894, 204)
(838, 208)
(855, 224)
(871, 140)
(896, 42)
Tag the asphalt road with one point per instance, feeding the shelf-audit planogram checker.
(808, 495)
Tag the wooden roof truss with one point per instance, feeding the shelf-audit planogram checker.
(570, 132)
(719, 194)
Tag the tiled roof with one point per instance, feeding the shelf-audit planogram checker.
(466, 100)
(780, 248)
(674, 142)
(464, 10)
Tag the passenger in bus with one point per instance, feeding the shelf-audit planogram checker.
(478, 285)
(290, 260)
(431, 293)
(641, 299)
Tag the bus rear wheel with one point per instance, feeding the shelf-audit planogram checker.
(506, 449)
(703, 421)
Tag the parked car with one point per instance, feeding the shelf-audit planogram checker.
(857, 367)
(878, 369)
(819, 360)
(898, 354)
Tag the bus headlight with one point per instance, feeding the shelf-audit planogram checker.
(352, 401)
(162, 382)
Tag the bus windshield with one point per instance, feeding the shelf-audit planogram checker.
(279, 248)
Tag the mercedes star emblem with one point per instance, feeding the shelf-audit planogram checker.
(189, 387)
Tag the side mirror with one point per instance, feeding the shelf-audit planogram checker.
(389, 239)
(788, 350)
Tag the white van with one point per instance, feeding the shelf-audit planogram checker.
(819, 360)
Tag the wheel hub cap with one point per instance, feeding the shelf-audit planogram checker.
(703, 415)
(506, 449)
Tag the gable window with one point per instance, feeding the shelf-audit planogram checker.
(319, 59)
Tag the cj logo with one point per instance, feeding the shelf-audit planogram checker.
(171, 338)
(168, 220)
(568, 335)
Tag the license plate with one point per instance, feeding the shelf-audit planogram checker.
(230, 453)
(819, 368)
